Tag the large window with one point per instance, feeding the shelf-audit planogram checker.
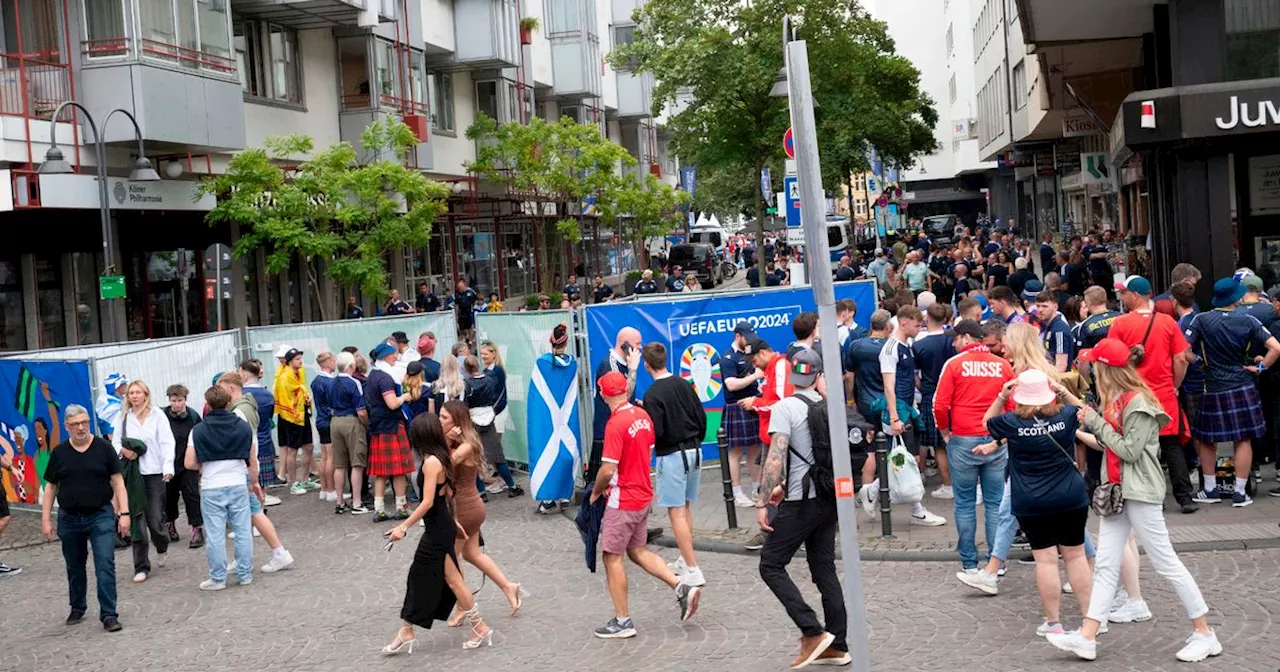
(442, 102)
(564, 16)
(104, 28)
(1020, 85)
(386, 68)
(267, 57)
(13, 321)
(1253, 39)
(487, 98)
(188, 33)
(417, 90)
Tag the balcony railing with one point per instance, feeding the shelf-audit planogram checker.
(33, 85)
(355, 102)
(403, 105)
(124, 47)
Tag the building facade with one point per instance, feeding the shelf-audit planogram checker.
(206, 78)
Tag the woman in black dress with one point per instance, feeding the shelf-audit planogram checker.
(434, 584)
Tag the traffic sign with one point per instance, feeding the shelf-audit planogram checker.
(791, 189)
(789, 144)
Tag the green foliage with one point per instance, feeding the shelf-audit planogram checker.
(644, 208)
(722, 58)
(569, 230)
(329, 206)
(530, 23)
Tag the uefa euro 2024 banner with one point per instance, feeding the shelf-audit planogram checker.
(697, 330)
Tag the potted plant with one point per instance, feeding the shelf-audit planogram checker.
(630, 283)
(528, 24)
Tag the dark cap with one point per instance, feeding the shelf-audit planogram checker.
(754, 345)
(805, 367)
(414, 368)
(744, 328)
(400, 337)
(288, 356)
(967, 328)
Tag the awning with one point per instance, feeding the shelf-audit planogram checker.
(921, 196)
(1198, 112)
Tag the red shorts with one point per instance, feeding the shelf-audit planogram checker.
(623, 530)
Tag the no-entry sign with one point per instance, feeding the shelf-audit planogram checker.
(789, 144)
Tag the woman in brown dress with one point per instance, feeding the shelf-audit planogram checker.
(434, 584)
(468, 458)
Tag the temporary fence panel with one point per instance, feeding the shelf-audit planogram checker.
(316, 337)
(34, 395)
(522, 338)
(697, 328)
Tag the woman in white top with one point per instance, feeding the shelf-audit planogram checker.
(450, 386)
(146, 423)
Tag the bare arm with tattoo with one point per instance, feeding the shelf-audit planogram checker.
(772, 476)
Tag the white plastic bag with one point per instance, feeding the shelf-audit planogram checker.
(905, 484)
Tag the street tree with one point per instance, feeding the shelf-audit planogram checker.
(644, 209)
(332, 205)
(716, 62)
(565, 169)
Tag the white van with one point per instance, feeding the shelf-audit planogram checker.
(713, 235)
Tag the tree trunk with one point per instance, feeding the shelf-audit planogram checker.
(760, 262)
(853, 219)
(315, 284)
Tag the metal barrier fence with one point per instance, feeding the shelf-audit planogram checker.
(316, 337)
(521, 339)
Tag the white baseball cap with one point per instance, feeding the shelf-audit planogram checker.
(281, 350)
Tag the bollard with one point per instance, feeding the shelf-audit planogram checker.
(882, 473)
(730, 508)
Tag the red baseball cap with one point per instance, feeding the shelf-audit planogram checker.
(1109, 351)
(612, 384)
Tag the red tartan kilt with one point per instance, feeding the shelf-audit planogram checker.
(390, 454)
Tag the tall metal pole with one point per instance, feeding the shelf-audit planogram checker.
(812, 215)
(104, 208)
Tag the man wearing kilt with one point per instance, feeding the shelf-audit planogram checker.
(389, 452)
(1229, 342)
(932, 348)
(741, 381)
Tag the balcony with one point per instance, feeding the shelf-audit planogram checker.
(487, 36)
(32, 86)
(635, 95)
(184, 99)
(304, 14)
(383, 80)
(575, 50)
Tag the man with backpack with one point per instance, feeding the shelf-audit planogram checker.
(799, 478)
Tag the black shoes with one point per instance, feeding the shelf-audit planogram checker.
(75, 617)
(197, 537)
(111, 624)
(515, 492)
(173, 532)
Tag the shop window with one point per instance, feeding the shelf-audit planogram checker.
(13, 330)
(85, 279)
(53, 333)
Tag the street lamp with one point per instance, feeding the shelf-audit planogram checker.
(799, 90)
(56, 164)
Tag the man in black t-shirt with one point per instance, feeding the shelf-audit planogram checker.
(6, 462)
(601, 292)
(427, 301)
(572, 289)
(464, 300)
(396, 305)
(84, 476)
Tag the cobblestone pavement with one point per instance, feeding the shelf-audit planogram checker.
(340, 603)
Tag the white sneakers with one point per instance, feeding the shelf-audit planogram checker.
(744, 502)
(1074, 642)
(927, 519)
(943, 492)
(326, 496)
(867, 495)
(270, 500)
(1130, 612)
(278, 562)
(980, 580)
(1200, 646)
(139, 577)
(210, 584)
(162, 559)
(689, 576)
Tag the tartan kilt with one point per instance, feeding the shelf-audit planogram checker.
(930, 436)
(1233, 415)
(742, 426)
(390, 454)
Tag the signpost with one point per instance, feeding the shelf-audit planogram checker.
(217, 261)
(791, 188)
(111, 287)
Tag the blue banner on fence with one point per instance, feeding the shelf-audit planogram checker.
(699, 329)
(33, 397)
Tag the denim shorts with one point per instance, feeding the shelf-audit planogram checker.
(678, 485)
(255, 506)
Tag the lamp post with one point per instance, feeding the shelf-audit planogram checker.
(56, 164)
(799, 91)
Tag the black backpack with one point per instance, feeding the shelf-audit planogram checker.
(821, 475)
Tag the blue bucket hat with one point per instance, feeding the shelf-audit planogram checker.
(381, 350)
(1227, 291)
(1031, 289)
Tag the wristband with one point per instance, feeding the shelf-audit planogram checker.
(1261, 367)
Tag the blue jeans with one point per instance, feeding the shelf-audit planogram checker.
(220, 507)
(98, 531)
(967, 471)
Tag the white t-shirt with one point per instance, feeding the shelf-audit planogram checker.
(222, 473)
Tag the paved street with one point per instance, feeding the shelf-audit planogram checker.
(340, 603)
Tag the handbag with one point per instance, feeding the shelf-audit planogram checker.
(1108, 498)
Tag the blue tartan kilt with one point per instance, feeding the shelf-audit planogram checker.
(1233, 415)
(929, 436)
(742, 426)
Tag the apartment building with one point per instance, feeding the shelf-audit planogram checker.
(205, 78)
(954, 178)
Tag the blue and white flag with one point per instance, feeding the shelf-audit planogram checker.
(552, 418)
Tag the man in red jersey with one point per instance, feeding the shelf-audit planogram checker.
(624, 476)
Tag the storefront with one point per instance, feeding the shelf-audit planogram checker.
(1210, 157)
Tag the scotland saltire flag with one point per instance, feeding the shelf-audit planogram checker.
(552, 417)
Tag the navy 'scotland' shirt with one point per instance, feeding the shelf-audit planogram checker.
(931, 351)
(1042, 474)
(1091, 332)
(737, 365)
(1057, 338)
(897, 358)
(1226, 341)
(1193, 381)
(862, 358)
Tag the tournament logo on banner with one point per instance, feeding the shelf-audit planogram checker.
(697, 330)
